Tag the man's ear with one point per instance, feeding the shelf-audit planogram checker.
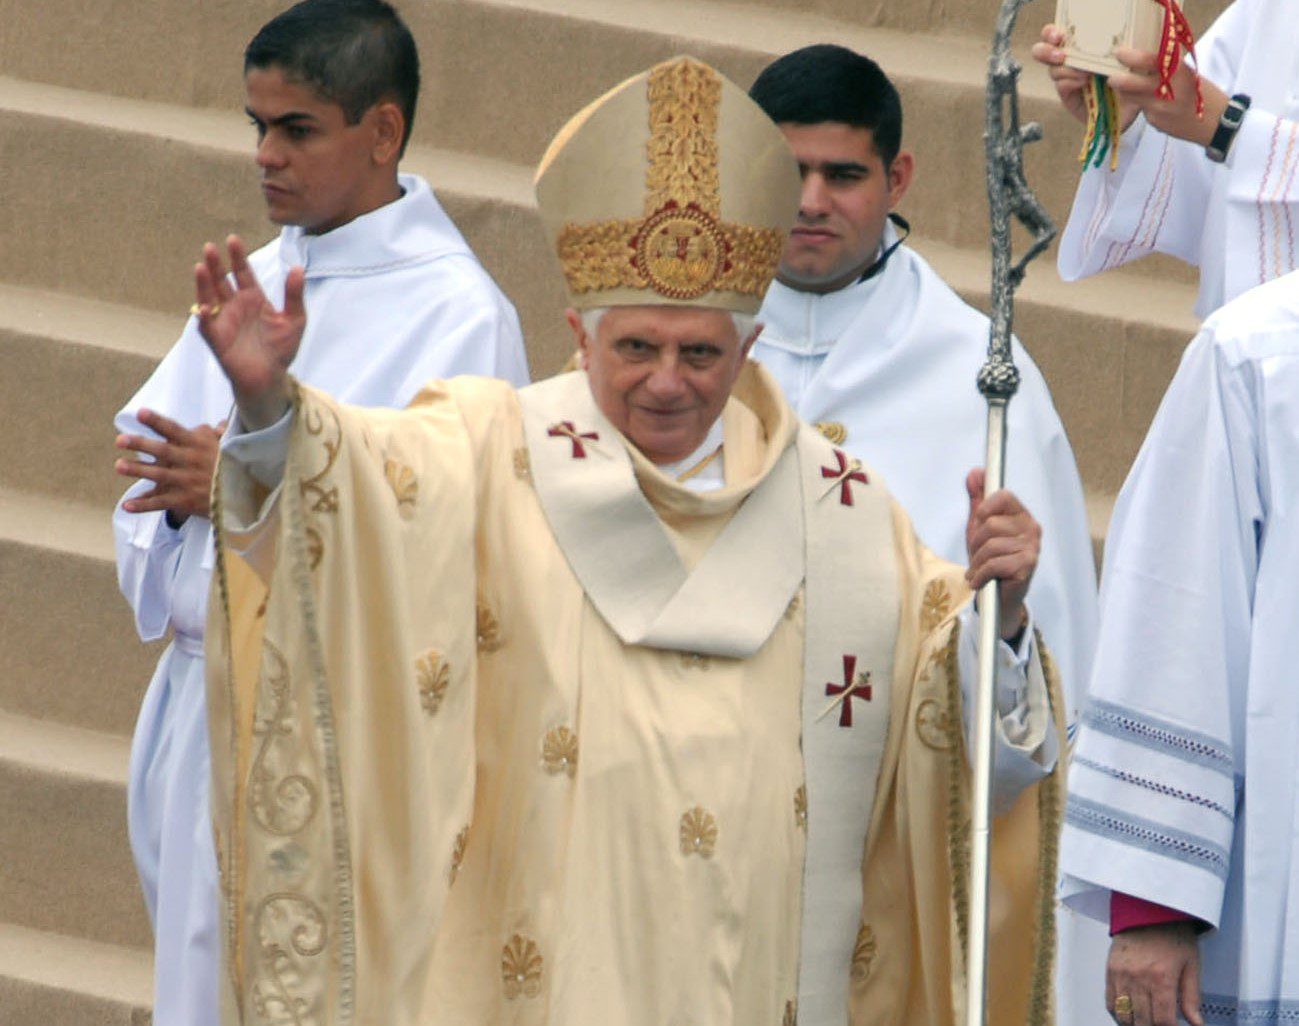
(389, 130)
(579, 334)
(901, 172)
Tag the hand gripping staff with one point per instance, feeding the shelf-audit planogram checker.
(1008, 195)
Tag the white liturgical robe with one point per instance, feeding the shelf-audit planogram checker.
(1182, 790)
(1235, 221)
(509, 726)
(396, 297)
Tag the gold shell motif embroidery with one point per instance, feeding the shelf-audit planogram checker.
(934, 726)
(935, 606)
(458, 853)
(863, 954)
(800, 806)
(559, 752)
(521, 967)
(434, 675)
(834, 432)
(404, 485)
(698, 833)
(489, 629)
(522, 464)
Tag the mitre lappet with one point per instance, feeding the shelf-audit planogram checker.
(672, 188)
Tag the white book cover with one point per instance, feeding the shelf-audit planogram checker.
(1095, 29)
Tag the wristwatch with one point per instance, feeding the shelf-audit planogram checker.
(1228, 125)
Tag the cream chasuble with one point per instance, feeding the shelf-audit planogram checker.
(522, 732)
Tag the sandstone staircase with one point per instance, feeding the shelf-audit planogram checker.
(123, 148)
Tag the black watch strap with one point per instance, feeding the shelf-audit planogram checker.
(1228, 125)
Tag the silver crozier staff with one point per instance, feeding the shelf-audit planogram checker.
(1008, 194)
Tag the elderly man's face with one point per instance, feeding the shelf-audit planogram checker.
(662, 374)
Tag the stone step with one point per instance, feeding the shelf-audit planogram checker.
(1135, 328)
(66, 367)
(169, 178)
(578, 48)
(198, 61)
(68, 648)
(48, 979)
(67, 862)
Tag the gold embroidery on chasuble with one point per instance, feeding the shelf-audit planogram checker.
(315, 552)
(522, 464)
(935, 606)
(458, 852)
(404, 485)
(863, 954)
(521, 968)
(680, 248)
(698, 833)
(834, 432)
(489, 629)
(320, 496)
(290, 930)
(800, 807)
(559, 752)
(433, 674)
(791, 1014)
(282, 802)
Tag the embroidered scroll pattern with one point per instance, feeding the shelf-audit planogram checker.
(282, 802)
(404, 485)
(521, 968)
(315, 548)
(559, 752)
(698, 833)
(433, 674)
(319, 496)
(291, 931)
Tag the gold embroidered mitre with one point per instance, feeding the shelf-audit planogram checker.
(674, 187)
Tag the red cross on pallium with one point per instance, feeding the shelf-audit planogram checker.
(844, 475)
(565, 429)
(854, 686)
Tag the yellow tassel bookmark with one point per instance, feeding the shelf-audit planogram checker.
(1102, 124)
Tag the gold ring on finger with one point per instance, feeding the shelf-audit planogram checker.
(199, 309)
(1123, 1008)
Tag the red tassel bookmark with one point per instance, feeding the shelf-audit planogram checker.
(1176, 37)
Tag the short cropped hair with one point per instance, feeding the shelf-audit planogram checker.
(832, 83)
(354, 53)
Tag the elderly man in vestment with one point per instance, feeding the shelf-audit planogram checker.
(331, 89)
(1181, 817)
(625, 698)
(1216, 188)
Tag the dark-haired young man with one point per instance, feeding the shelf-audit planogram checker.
(870, 344)
(397, 298)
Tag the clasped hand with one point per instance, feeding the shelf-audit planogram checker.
(1003, 542)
